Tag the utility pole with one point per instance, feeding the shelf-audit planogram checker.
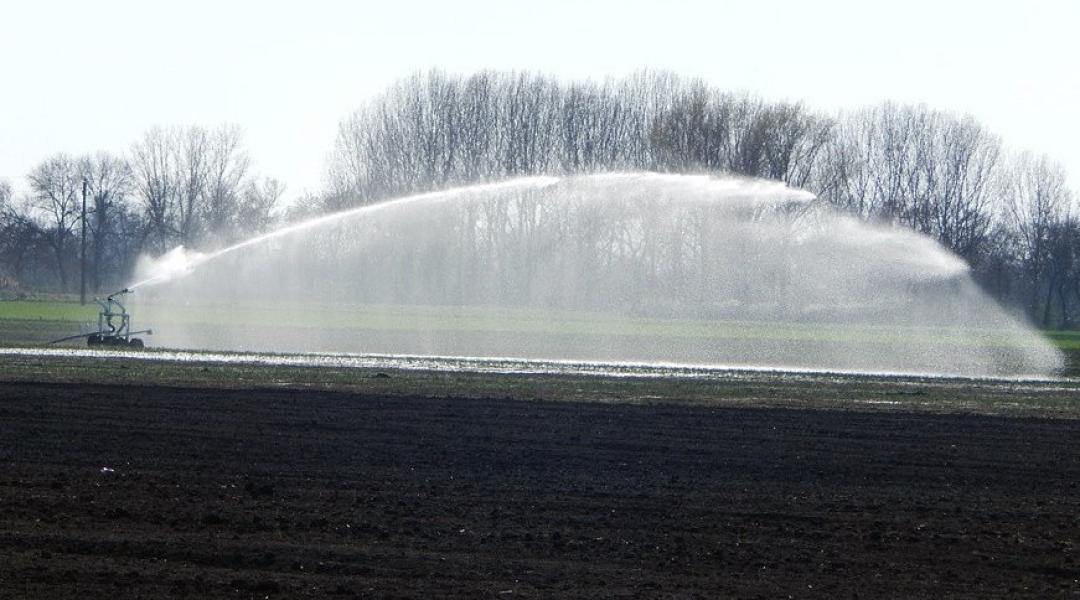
(82, 271)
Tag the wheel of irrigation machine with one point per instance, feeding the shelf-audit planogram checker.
(136, 343)
(93, 340)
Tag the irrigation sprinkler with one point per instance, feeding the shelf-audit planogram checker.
(114, 325)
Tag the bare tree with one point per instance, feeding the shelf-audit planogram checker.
(1037, 203)
(929, 170)
(963, 203)
(154, 170)
(192, 150)
(190, 182)
(257, 202)
(1063, 269)
(56, 186)
(110, 182)
(226, 167)
(8, 279)
(22, 245)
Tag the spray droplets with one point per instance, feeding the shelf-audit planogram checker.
(177, 262)
(625, 267)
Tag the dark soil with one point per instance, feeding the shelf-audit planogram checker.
(153, 492)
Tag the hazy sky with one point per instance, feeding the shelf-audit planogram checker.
(81, 76)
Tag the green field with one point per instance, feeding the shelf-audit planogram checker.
(69, 315)
(24, 310)
(1066, 340)
(35, 322)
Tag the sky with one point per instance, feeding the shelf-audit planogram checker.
(79, 77)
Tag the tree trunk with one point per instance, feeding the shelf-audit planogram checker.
(1049, 300)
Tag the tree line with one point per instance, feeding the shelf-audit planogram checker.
(1010, 215)
(188, 186)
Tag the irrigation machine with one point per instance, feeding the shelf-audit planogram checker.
(113, 326)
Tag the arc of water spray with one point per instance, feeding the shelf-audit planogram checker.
(771, 272)
(184, 262)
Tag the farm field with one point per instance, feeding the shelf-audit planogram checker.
(426, 485)
(595, 301)
(453, 330)
(148, 475)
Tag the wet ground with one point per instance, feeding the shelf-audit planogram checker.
(421, 484)
(512, 366)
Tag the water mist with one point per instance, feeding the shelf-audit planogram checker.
(637, 267)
